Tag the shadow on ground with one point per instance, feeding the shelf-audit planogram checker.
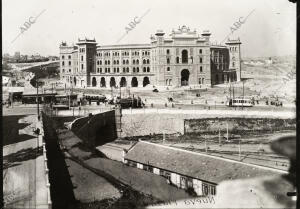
(11, 129)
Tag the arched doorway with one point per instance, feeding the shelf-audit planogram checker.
(123, 82)
(146, 81)
(134, 82)
(185, 74)
(94, 82)
(102, 82)
(112, 82)
(74, 81)
(184, 56)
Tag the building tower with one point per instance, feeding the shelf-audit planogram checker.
(158, 52)
(87, 60)
(234, 59)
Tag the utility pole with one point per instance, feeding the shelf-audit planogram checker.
(243, 97)
(232, 91)
(205, 146)
(227, 131)
(37, 95)
(219, 137)
(240, 150)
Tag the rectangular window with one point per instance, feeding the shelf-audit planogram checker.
(81, 66)
(81, 58)
(212, 190)
(205, 189)
(200, 60)
(201, 69)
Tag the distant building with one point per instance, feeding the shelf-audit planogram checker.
(17, 56)
(5, 81)
(184, 58)
(190, 170)
(269, 61)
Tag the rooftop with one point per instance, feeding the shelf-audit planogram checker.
(201, 166)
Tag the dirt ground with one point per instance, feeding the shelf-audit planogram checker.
(254, 148)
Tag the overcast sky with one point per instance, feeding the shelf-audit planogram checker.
(269, 31)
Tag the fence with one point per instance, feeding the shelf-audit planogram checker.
(74, 111)
(41, 136)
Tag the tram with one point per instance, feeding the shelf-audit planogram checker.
(239, 102)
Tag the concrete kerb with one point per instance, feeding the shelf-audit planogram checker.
(39, 125)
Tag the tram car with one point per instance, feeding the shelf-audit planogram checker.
(239, 102)
(63, 99)
(130, 102)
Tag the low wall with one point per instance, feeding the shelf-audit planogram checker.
(238, 125)
(146, 124)
(97, 129)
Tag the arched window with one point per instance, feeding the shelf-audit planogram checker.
(108, 62)
(63, 57)
(127, 69)
(148, 69)
(133, 61)
(137, 69)
(127, 62)
(123, 62)
(100, 62)
(144, 61)
(137, 62)
(144, 69)
(124, 69)
(148, 61)
(200, 51)
(168, 68)
(168, 60)
(201, 69)
(63, 63)
(117, 62)
(200, 60)
(133, 69)
(168, 51)
(184, 56)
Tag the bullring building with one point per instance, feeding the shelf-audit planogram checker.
(184, 58)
